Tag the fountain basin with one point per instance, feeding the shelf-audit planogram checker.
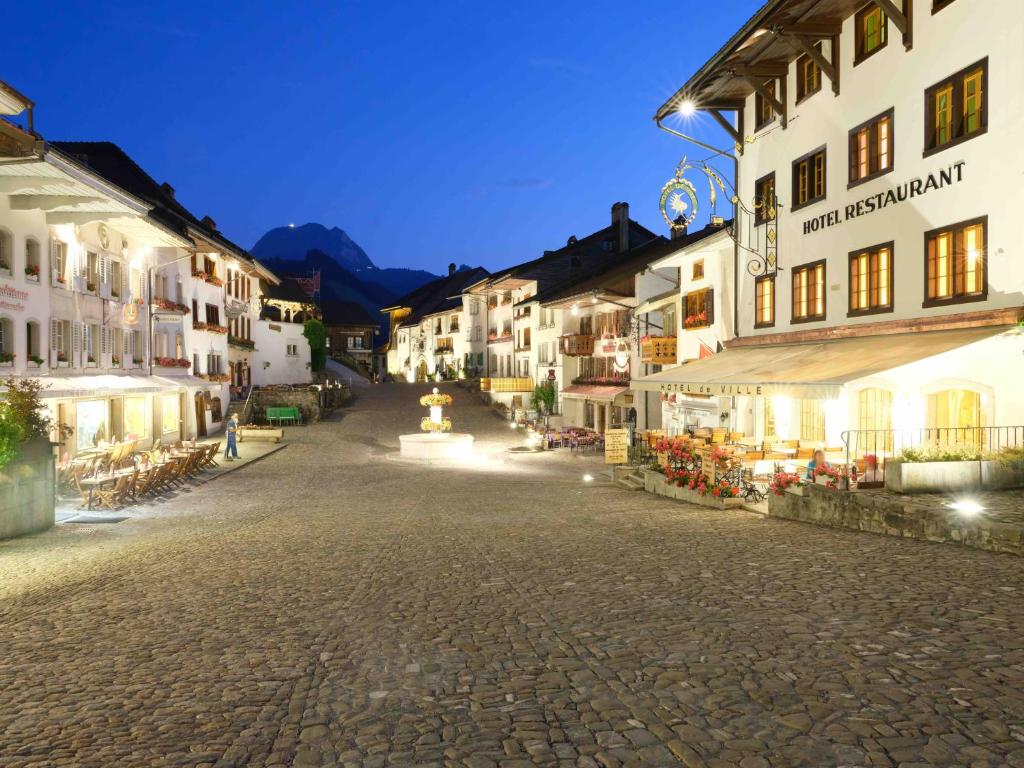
(430, 446)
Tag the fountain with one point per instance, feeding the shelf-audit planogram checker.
(436, 441)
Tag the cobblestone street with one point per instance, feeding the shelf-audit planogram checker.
(330, 606)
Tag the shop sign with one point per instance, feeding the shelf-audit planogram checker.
(658, 350)
(906, 191)
(12, 298)
(131, 313)
(616, 446)
(719, 390)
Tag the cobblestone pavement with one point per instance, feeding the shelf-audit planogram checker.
(330, 606)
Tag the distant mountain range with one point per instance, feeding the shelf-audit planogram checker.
(293, 243)
(346, 272)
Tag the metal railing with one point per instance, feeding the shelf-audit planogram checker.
(936, 443)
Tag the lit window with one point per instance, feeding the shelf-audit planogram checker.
(957, 108)
(809, 179)
(764, 199)
(955, 263)
(808, 76)
(871, 146)
(809, 292)
(872, 26)
(764, 302)
(764, 112)
(871, 279)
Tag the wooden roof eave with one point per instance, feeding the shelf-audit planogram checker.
(769, 35)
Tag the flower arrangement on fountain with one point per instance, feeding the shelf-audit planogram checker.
(444, 425)
(435, 400)
(436, 422)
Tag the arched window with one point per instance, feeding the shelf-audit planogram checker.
(32, 259)
(955, 409)
(6, 252)
(6, 340)
(33, 344)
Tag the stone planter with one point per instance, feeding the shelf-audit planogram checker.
(1001, 476)
(273, 435)
(655, 482)
(932, 476)
(27, 494)
(795, 490)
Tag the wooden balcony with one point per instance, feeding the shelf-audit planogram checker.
(513, 384)
(658, 350)
(576, 344)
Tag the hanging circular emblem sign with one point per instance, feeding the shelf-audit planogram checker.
(678, 202)
(131, 313)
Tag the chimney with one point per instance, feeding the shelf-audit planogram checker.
(168, 189)
(679, 232)
(451, 269)
(620, 218)
(209, 223)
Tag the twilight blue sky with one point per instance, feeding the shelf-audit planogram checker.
(461, 130)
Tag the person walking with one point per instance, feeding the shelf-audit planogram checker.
(231, 449)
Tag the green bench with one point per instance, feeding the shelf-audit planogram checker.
(284, 414)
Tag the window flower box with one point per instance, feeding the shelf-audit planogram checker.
(219, 329)
(242, 343)
(35, 362)
(32, 273)
(90, 362)
(198, 326)
(137, 362)
(696, 320)
(214, 280)
(59, 281)
(167, 305)
(172, 362)
(7, 359)
(115, 361)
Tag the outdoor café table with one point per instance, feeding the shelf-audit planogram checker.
(92, 483)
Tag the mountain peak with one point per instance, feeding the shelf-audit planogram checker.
(293, 242)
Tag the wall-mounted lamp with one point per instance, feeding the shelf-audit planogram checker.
(266, 364)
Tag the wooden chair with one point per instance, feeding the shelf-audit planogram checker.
(161, 481)
(143, 482)
(211, 456)
(114, 496)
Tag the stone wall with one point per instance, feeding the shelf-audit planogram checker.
(312, 403)
(655, 482)
(27, 496)
(886, 513)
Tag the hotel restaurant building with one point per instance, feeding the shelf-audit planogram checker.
(877, 148)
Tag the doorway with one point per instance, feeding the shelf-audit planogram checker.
(200, 415)
(422, 371)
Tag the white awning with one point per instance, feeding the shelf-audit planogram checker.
(99, 385)
(813, 370)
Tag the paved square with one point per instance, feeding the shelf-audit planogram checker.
(330, 606)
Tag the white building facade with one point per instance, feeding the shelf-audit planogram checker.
(885, 180)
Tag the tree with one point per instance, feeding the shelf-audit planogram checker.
(543, 397)
(26, 408)
(316, 335)
(11, 435)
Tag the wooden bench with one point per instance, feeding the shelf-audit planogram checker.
(284, 414)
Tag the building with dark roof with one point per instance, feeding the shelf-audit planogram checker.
(350, 329)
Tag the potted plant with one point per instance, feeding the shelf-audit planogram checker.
(787, 482)
(32, 272)
(137, 361)
(7, 358)
(35, 360)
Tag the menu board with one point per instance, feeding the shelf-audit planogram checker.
(616, 446)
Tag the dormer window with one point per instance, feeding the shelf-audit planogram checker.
(872, 32)
(764, 113)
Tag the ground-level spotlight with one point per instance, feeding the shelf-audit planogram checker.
(967, 507)
(588, 478)
(513, 425)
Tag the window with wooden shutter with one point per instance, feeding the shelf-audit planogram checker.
(809, 179)
(871, 148)
(871, 280)
(809, 292)
(871, 32)
(956, 268)
(956, 109)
